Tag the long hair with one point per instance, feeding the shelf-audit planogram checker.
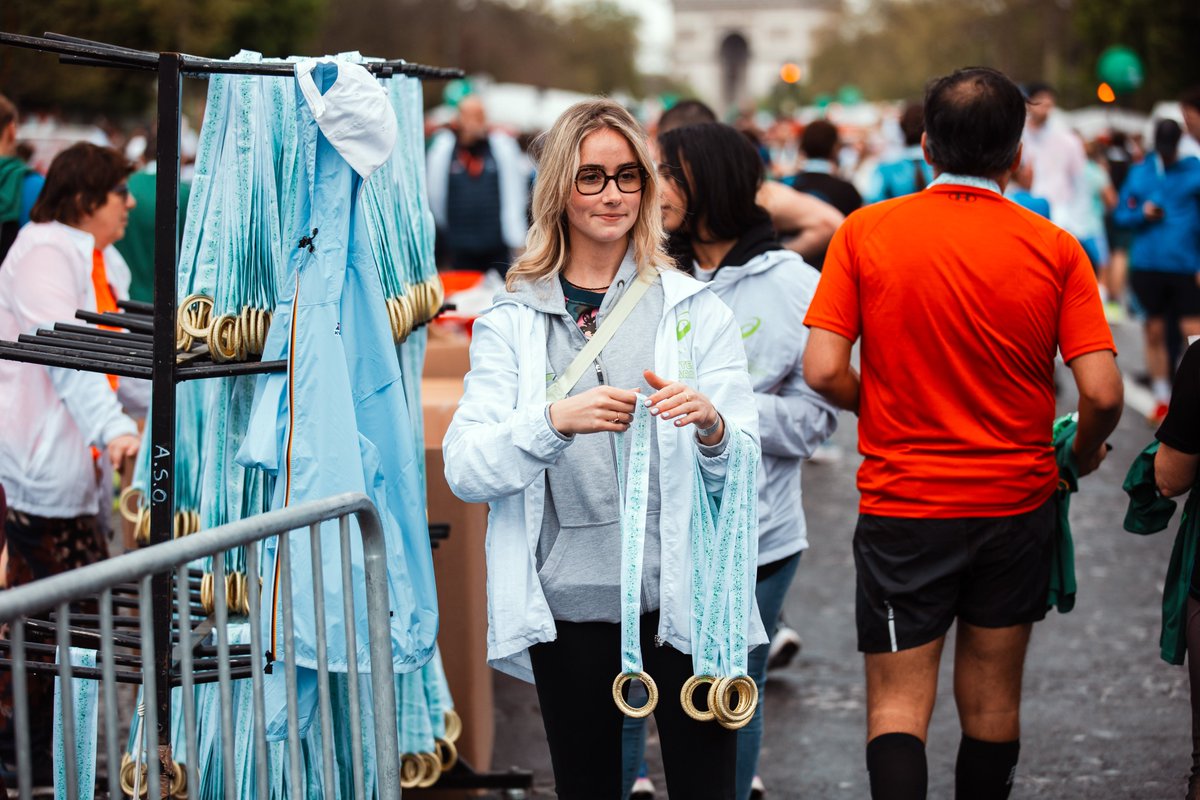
(719, 174)
(548, 246)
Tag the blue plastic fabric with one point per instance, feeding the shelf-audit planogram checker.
(338, 420)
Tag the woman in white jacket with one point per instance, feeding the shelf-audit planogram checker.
(52, 418)
(710, 177)
(548, 470)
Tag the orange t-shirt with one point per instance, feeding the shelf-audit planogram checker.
(961, 298)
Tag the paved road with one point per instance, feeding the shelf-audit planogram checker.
(1103, 716)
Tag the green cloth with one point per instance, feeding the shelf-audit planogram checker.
(1149, 512)
(1062, 560)
(138, 244)
(12, 179)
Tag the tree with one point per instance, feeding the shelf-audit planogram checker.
(891, 48)
(587, 48)
(1163, 33)
(214, 28)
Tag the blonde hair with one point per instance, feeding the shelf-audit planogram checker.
(547, 246)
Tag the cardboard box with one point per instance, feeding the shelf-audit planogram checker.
(459, 565)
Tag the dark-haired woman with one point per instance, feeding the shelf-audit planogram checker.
(1160, 202)
(61, 261)
(711, 176)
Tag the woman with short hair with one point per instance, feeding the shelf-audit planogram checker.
(63, 260)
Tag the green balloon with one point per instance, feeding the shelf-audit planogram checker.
(1121, 69)
(822, 100)
(455, 91)
(849, 95)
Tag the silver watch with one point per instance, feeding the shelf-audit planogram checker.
(704, 433)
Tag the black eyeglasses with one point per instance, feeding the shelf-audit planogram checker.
(121, 190)
(592, 180)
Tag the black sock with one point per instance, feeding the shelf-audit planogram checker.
(985, 770)
(897, 768)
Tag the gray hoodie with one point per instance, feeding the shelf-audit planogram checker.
(578, 553)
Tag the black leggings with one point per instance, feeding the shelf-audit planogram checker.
(574, 678)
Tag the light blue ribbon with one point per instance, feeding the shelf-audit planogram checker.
(634, 489)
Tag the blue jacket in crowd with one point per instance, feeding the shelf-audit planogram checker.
(1171, 244)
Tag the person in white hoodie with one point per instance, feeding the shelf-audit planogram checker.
(52, 418)
(710, 176)
(549, 470)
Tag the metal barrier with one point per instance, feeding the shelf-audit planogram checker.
(158, 658)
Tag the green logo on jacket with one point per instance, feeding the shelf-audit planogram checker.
(751, 327)
(683, 326)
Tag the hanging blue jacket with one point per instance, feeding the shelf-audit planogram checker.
(338, 420)
(1171, 244)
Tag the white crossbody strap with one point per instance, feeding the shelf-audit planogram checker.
(591, 351)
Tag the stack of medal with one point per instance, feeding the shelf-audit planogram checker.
(133, 775)
(393, 196)
(189, 427)
(232, 245)
(722, 591)
(634, 489)
(429, 726)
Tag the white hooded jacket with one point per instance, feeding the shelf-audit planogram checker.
(500, 443)
(769, 295)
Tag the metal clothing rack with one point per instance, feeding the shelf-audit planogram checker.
(146, 346)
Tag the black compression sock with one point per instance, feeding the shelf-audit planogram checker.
(985, 770)
(897, 768)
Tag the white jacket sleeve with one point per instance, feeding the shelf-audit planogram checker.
(722, 377)
(514, 189)
(437, 174)
(49, 293)
(794, 420)
(495, 448)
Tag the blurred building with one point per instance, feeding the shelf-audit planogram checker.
(731, 51)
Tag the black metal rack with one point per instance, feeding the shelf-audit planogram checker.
(146, 348)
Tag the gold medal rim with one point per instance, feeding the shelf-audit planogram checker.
(651, 690)
(454, 726)
(737, 716)
(687, 697)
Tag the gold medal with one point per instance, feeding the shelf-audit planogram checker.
(721, 697)
(623, 704)
(454, 725)
(687, 697)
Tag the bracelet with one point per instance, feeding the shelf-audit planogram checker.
(709, 431)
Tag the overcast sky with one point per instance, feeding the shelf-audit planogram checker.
(656, 34)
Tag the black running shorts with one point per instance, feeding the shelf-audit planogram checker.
(915, 576)
(1161, 293)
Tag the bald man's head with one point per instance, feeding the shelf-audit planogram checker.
(472, 120)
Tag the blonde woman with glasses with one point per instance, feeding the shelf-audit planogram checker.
(553, 440)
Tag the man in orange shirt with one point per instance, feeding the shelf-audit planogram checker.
(962, 299)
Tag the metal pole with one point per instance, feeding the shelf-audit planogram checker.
(383, 681)
(162, 424)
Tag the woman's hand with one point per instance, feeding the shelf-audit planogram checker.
(121, 448)
(600, 409)
(680, 404)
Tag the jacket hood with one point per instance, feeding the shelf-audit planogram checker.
(764, 262)
(545, 294)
